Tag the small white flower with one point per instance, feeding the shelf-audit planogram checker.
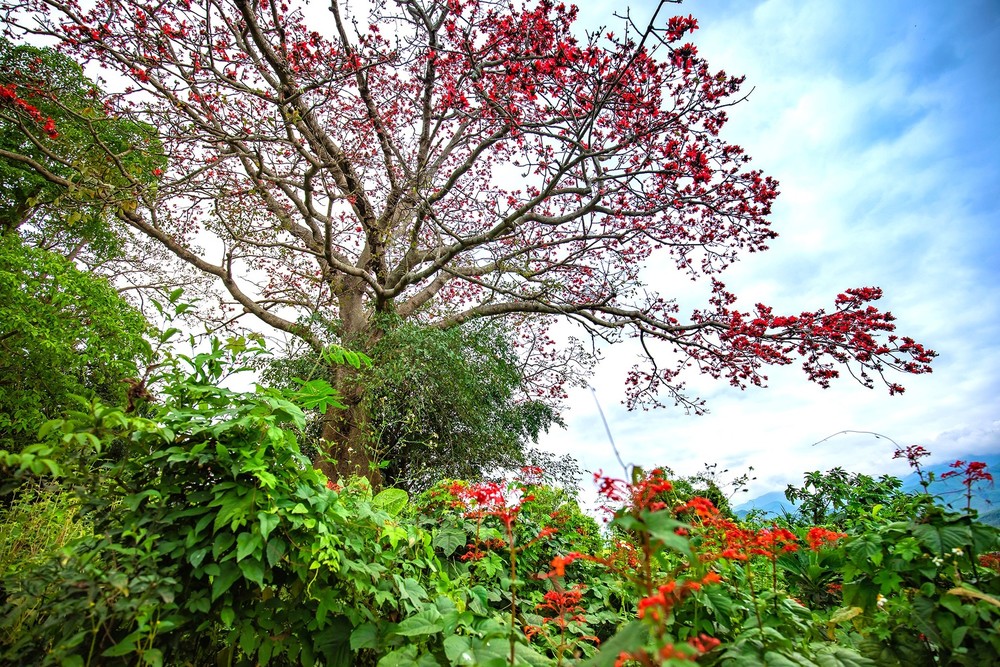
(880, 601)
(937, 561)
(958, 551)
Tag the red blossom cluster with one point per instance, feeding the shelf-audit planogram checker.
(991, 560)
(561, 607)
(642, 495)
(912, 454)
(8, 95)
(694, 647)
(973, 472)
(818, 537)
(658, 605)
(725, 539)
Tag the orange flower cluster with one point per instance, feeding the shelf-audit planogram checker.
(817, 537)
(658, 606)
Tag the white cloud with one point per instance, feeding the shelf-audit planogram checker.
(862, 112)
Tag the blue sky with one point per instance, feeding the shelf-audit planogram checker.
(880, 121)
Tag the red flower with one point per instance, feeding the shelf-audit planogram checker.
(974, 472)
(819, 537)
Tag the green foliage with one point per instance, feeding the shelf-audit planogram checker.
(447, 403)
(36, 522)
(102, 181)
(921, 592)
(63, 332)
(844, 499)
(210, 539)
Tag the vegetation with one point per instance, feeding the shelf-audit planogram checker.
(375, 500)
(63, 333)
(212, 539)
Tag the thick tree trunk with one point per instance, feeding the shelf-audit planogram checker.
(345, 432)
(346, 438)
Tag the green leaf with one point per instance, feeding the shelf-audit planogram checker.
(411, 589)
(392, 501)
(448, 540)
(124, 647)
(246, 544)
(628, 638)
(663, 526)
(459, 650)
(253, 570)
(275, 550)
(364, 636)
(225, 579)
(841, 657)
(426, 622)
(942, 538)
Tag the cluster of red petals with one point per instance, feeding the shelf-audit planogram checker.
(724, 539)
(772, 542)
(678, 25)
(817, 537)
(643, 495)
(973, 472)
(658, 606)
(559, 563)
(912, 454)
(703, 508)
(561, 607)
(8, 95)
(696, 646)
(488, 499)
(991, 561)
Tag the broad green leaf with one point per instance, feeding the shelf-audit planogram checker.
(841, 657)
(246, 544)
(448, 540)
(628, 638)
(459, 650)
(844, 614)
(253, 570)
(364, 636)
(268, 522)
(426, 622)
(392, 501)
(942, 538)
(225, 579)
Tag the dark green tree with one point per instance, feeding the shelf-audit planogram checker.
(840, 498)
(441, 403)
(66, 163)
(63, 332)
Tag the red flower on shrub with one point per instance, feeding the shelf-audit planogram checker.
(974, 472)
(818, 537)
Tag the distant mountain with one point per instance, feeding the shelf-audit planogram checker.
(950, 492)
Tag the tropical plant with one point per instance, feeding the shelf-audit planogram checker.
(63, 332)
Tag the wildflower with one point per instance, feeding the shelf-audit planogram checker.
(702, 507)
(974, 472)
(912, 454)
(819, 537)
(559, 563)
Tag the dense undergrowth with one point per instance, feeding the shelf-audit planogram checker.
(199, 534)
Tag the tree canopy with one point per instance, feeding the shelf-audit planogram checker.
(459, 161)
(60, 150)
(63, 332)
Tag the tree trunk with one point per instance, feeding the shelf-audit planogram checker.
(347, 444)
(345, 431)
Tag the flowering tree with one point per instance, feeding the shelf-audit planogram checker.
(451, 161)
